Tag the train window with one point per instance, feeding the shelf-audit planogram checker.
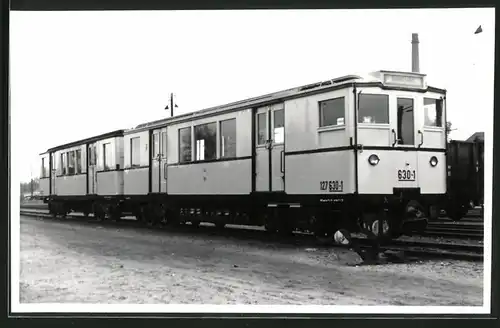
(164, 144)
(156, 145)
(71, 162)
(261, 128)
(63, 164)
(78, 154)
(373, 109)
(332, 112)
(107, 156)
(433, 111)
(228, 138)
(92, 155)
(279, 126)
(406, 123)
(205, 136)
(43, 173)
(135, 155)
(185, 145)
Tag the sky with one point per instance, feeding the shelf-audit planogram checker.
(74, 75)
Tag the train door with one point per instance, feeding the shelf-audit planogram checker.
(432, 127)
(159, 160)
(406, 136)
(92, 172)
(270, 149)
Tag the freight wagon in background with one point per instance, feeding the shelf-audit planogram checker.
(465, 183)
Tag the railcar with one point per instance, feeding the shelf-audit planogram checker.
(465, 177)
(356, 153)
(85, 176)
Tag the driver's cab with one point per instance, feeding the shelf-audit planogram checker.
(401, 121)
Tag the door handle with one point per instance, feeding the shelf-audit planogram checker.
(395, 138)
(421, 138)
(165, 171)
(282, 161)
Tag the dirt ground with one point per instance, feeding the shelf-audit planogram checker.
(72, 262)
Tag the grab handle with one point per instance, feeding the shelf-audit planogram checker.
(282, 164)
(421, 139)
(395, 138)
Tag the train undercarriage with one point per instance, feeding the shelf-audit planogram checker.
(380, 219)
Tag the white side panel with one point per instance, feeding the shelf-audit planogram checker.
(375, 136)
(136, 181)
(110, 183)
(74, 185)
(231, 177)
(305, 173)
(432, 179)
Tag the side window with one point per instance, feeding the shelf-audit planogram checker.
(71, 162)
(135, 155)
(164, 144)
(279, 126)
(107, 156)
(206, 141)
(91, 155)
(78, 154)
(433, 111)
(63, 164)
(185, 145)
(156, 145)
(261, 128)
(332, 112)
(373, 109)
(42, 172)
(228, 138)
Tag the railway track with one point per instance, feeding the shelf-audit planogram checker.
(418, 249)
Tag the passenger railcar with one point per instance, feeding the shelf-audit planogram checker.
(356, 153)
(85, 176)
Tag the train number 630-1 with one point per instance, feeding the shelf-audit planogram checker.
(406, 175)
(331, 186)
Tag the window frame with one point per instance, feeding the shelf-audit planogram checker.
(266, 128)
(78, 162)
(441, 102)
(104, 157)
(163, 144)
(132, 151)
(221, 138)
(43, 173)
(214, 123)
(388, 109)
(189, 145)
(320, 112)
(155, 141)
(63, 164)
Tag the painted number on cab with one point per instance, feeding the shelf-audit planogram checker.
(331, 185)
(406, 175)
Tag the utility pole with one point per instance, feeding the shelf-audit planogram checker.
(172, 105)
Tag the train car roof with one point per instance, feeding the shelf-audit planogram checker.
(377, 78)
(116, 133)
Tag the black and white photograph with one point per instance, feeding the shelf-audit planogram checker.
(252, 161)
